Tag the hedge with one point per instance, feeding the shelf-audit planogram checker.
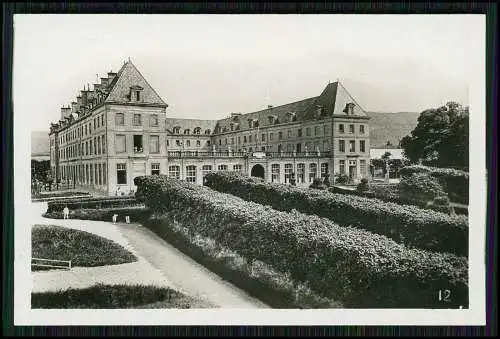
(92, 203)
(455, 182)
(354, 266)
(408, 225)
(137, 214)
(257, 279)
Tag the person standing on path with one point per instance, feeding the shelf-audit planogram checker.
(66, 212)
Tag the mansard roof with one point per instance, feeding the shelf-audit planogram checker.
(332, 101)
(191, 124)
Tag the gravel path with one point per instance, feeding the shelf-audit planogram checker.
(183, 271)
(159, 263)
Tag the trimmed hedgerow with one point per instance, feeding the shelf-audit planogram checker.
(455, 182)
(419, 186)
(390, 193)
(92, 203)
(408, 225)
(356, 267)
(136, 214)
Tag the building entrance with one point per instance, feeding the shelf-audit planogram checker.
(257, 171)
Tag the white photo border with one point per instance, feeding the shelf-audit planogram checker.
(474, 315)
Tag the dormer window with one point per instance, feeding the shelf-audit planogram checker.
(207, 132)
(292, 116)
(177, 130)
(197, 130)
(135, 94)
(186, 131)
(319, 111)
(349, 108)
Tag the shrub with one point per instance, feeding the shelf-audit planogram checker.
(455, 182)
(420, 186)
(113, 296)
(408, 171)
(363, 185)
(318, 184)
(442, 200)
(137, 214)
(341, 179)
(256, 278)
(408, 225)
(92, 203)
(356, 267)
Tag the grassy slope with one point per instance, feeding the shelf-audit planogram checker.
(82, 248)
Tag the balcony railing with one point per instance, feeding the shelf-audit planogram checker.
(227, 154)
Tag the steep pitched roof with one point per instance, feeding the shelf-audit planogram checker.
(333, 100)
(127, 78)
(342, 98)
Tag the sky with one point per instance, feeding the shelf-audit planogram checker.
(207, 66)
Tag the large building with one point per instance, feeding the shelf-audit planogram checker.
(120, 130)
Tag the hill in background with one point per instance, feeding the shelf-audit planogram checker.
(40, 143)
(390, 127)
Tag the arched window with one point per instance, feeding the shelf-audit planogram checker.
(197, 130)
(177, 130)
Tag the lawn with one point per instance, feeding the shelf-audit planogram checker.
(116, 296)
(82, 248)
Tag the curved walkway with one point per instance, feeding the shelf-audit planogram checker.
(159, 263)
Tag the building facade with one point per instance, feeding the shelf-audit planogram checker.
(120, 130)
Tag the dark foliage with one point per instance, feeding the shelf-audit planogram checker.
(356, 267)
(137, 214)
(109, 296)
(408, 225)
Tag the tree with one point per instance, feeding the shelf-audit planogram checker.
(441, 137)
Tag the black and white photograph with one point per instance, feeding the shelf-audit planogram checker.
(249, 169)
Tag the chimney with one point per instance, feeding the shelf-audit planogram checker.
(74, 107)
(79, 101)
(97, 87)
(104, 82)
(111, 76)
(269, 106)
(65, 112)
(84, 97)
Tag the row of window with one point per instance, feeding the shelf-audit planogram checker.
(179, 143)
(352, 167)
(138, 147)
(351, 129)
(88, 174)
(95, 174)
(136, 119)
(352, 146)
(308, 132)
(300, 174)
(82, 130)
(95, 146)
(196, 131)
